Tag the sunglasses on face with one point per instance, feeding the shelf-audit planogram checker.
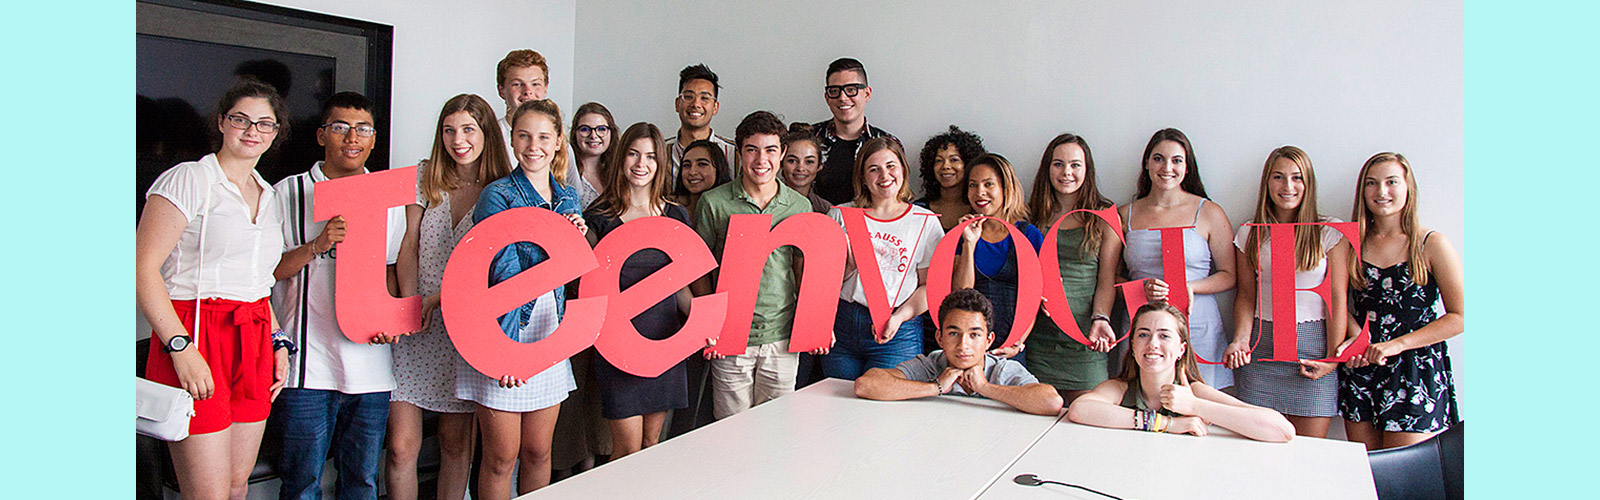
(849, 89)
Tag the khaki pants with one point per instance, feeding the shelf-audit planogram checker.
(759, 375)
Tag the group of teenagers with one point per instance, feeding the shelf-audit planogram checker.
(237, 280)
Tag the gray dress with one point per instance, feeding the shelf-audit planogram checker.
(1142, 253)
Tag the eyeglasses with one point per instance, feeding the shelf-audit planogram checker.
(265, 126)
(345, 128)
(585, 129)
(691, 97)
(849, 89)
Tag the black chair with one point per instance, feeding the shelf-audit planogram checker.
(154, 462)
(1428, 470)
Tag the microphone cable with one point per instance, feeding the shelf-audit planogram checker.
(1033, 480)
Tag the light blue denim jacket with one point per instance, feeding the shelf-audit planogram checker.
(514, 191)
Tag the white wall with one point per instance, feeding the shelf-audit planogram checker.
(446, 48)
(1342, 80)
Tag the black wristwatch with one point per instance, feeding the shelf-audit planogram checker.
(178, 343)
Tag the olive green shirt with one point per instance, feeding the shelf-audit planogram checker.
(774, 313)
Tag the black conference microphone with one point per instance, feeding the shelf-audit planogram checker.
(1032, 480)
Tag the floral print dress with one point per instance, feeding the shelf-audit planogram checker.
(1414, 391)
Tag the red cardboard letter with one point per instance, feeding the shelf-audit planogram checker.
(470, 306)
(619, 341)
(751, 240)
(364, 307)
(1172, 272)
(855, 223)
(1055, 293)
(1028, 284)
(1284, 288)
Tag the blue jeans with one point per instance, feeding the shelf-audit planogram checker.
(316, 420)
(854, 349)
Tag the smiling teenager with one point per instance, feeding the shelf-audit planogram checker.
(1089, 252)
(801, 161)
(336, 398)
(1306, 392)
(902, 237)
(1401, 390)
(1171, 195)
(944, 167)
(221, 208)
(467, 154)
(593, 134)
(846, 93)
(518, 417)
(987, 260)
(636, 407)
(521, 76)
(696, 105)
(1161, 389)
(767, 369)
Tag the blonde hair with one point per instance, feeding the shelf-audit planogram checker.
(859, 176)
(1408, 220)
(1042, 203)
(1013, 208)
(1307, 239)
(549, 109)
(440, 169)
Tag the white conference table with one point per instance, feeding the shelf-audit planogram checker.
(1147, 466)
(824, 442)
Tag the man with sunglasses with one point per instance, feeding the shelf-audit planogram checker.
(696, 105)
(336, 394)
(847, 94)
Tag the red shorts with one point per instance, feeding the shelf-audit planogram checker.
(236, 342)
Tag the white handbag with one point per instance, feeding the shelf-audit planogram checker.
(164, 411)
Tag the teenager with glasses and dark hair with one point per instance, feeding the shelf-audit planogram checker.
(336, 398)
(696, 104)
(846, 93)
(207, 242)
(593, 134)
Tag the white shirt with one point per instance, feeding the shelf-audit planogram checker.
(1307, 305)
(728, 150)
(239, 255)
(304, 302)
(511, 152)
(902, 245)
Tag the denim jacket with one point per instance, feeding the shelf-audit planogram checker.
(514, 191)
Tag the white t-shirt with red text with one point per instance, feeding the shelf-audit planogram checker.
(902, 245)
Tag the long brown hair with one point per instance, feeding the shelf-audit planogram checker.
(551, 111)
(1042, 202)
(1307, 239)
(614, 197)
(1013, 208)
(1191, 176)
(440, 169)
(1408, 221)
(858, 176)
(1186, 364)
(611, 123)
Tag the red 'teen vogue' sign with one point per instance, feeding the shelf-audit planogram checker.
(603, 316)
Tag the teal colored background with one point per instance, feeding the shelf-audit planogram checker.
(1531, 140)
(66, 295)
(68, 301)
